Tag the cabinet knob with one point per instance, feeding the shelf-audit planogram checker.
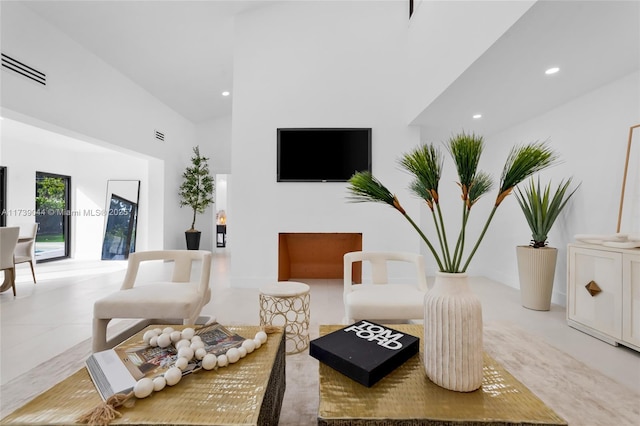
(593, 288)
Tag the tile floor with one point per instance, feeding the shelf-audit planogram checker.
(55, 314)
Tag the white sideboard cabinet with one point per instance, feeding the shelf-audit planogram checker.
(603, 292)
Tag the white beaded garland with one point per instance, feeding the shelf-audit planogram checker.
(164, 340)
(196, 345)
(159, 383)
(222, 360)
(233, 355)
(200, 353)
(143, 387)
(188, 333)
(183, 343)
(182, 363)
(189, 346)
(148, 335)
(262, 336)
(185, 352)
(209, 361)
(249, 345)
(175, 336)
(173, 376)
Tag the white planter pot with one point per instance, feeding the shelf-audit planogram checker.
(536, 269)
(453, 334)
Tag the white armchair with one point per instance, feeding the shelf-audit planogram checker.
(168, 302)
(380, 299)
(25, 249)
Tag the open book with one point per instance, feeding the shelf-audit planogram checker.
(117, 370)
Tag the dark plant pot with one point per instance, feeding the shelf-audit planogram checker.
(193, 239)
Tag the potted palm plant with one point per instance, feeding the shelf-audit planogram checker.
(452, 312)
(537, 261)
(196, 191)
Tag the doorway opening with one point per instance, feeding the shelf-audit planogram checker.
(53, 204)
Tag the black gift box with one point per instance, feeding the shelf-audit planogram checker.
(364, 351)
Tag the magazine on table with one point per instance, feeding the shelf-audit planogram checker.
(117, 370)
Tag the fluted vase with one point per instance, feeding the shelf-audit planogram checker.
(453, 333)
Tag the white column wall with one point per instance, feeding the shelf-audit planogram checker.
(315, 64)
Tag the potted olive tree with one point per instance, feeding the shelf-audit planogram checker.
(537, 261)
(196, 191)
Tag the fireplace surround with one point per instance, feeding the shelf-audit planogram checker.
(316, 255)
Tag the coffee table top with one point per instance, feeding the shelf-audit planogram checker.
(407, 394)
(231, 395)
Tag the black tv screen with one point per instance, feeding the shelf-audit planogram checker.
(322, 155)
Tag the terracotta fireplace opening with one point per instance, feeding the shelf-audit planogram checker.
(317, 255)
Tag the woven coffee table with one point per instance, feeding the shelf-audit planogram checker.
(407, 397)
(249, 392)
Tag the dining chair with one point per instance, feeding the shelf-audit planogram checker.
(25, 249)
(8, 241)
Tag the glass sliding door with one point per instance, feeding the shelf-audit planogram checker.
(53, 205)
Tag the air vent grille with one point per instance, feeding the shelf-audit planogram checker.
(24, 70)
(159, 135)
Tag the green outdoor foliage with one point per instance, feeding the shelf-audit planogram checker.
(541, 207)
(425, 163)
(196, 190)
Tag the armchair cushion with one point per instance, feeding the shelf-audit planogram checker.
(384, 302)
(165, 299)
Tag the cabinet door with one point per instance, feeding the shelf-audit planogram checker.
(631, 297)
(601, 311)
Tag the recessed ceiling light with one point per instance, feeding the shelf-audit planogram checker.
(476, 116)
(552, 70)
(225, 93)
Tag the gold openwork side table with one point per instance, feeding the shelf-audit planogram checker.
(286, 304)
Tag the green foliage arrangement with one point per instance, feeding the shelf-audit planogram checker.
(541, 207)
(425, 164)
(196, 190)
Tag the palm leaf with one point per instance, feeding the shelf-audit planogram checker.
(481, 184)
(541, 207)
(522, 162)
(364, 187)
(465, 151)
(425, 164)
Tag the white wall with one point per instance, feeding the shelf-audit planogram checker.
(590, 133)
(86, 96)
(315, 64)
(89, 168)
(445, 37)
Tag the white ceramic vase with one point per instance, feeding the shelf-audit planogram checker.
(453, 333)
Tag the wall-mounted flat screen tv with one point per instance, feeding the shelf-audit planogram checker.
(322, 155)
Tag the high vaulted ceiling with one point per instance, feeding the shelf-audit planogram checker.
(179, 51)
(182, 53)
(592, 42)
